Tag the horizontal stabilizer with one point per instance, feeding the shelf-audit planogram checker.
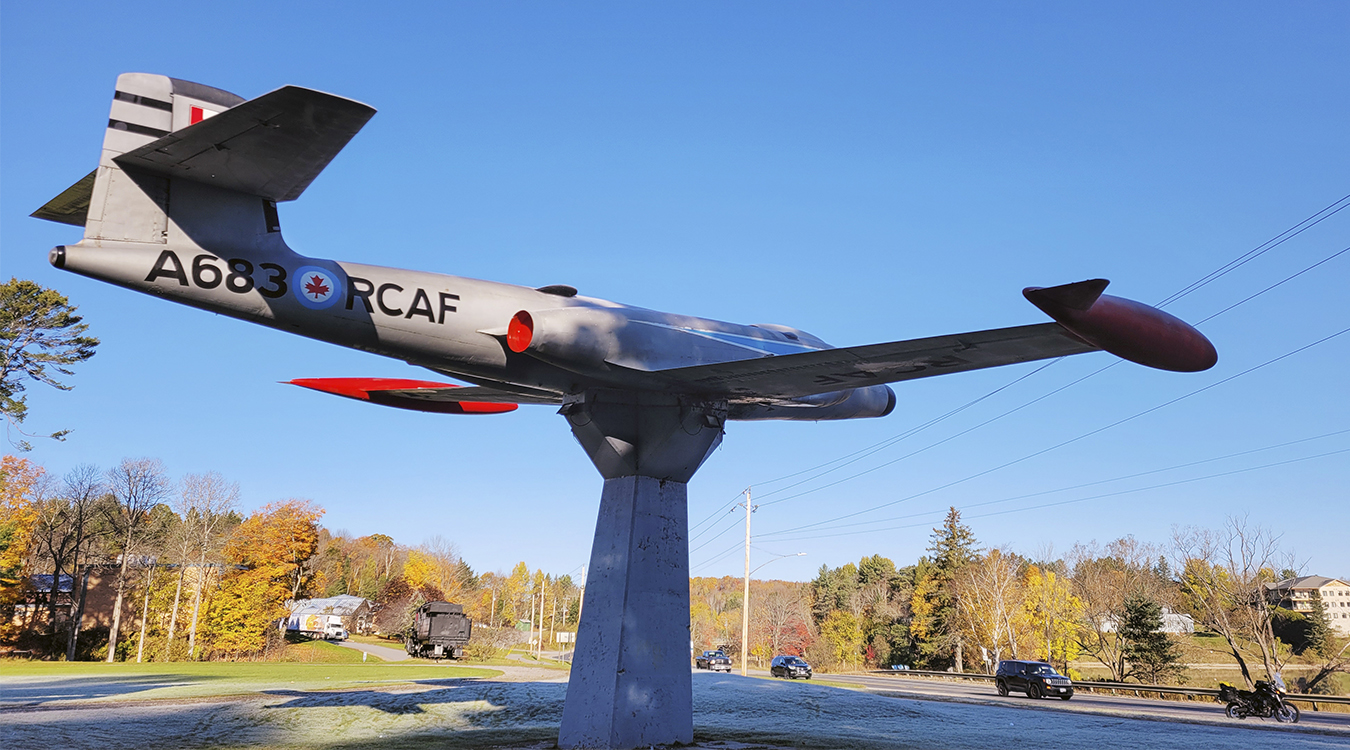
(72, 205)
(415, 395)
(273, 146)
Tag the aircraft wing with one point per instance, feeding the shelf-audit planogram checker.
(477, 394)
(424, 395)
(809, 373)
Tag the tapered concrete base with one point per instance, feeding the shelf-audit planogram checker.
(630, 685)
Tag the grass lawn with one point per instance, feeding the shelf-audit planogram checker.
(321, 652)
(176, 680)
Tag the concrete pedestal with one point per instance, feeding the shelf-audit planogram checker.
(630, 684)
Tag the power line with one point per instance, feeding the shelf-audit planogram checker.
(897, 438)
(1079, 499)
(1088, 434)
(875, 448)
(718, 557)
(1261, 249)
(1095, 483)
(721, 509)
(1061, 388)
(948, 439)
(866, 452)
(1329, 258)
(715, 537)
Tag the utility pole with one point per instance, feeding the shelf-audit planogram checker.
(745, 598)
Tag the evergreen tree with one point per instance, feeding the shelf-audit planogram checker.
(934, 607)
(1318, 636)
(41, 337)
(953, 545)
(1152, 656)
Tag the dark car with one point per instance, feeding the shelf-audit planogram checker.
(790, 667)
(1035, 678)
(714, 660)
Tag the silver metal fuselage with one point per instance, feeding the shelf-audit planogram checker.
(455, 325)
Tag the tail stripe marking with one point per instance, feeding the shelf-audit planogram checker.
(144, 101)
(132, 127)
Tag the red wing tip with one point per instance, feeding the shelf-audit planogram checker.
(375, 389)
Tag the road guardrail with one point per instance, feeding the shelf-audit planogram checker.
(1116, 688)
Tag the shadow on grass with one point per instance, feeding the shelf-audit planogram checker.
(18, 692)
(503, 701)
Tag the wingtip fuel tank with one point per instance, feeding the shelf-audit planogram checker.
(1128, 329)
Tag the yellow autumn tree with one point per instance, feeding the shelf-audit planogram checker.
(1053, 612)
(270, 552)
(843, 632)
(18, 477)
(989, 605)
(420, 570)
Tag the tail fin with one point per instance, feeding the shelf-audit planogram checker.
(184, 163)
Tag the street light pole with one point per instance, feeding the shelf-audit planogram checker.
(745, 598)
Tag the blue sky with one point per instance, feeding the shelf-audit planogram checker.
(867, 172)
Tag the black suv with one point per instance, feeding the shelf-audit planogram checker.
(790, 667)
(1036, 678)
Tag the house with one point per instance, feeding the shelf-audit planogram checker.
(354, 610)
(1298, 594)
(1176, 624)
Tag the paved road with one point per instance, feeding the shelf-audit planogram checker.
(384, 652)
(961, 691)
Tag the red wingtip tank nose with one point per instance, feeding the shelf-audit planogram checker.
(1128, 329)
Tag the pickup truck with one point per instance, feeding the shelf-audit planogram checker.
(714, 660)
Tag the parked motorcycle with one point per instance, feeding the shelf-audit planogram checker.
(1264, 702)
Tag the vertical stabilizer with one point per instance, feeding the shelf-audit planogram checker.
(129, 206)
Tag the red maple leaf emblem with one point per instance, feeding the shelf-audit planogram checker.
(316, 287)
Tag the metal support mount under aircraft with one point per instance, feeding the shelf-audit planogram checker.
(183, 205)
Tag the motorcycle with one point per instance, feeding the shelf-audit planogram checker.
(1264, 702)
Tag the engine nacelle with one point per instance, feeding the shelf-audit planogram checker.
(857, 403)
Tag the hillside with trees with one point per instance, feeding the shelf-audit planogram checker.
(180, 572)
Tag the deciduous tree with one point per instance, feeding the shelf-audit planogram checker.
(137, 485)
(18, 479)
(1103, 578)
(988, 608)
(269, 551)
(843, 633)
(1054, 613)
(1225, 573)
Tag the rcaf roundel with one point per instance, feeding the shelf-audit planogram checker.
(316, 288)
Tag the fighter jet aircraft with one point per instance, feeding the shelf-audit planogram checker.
(183, 205)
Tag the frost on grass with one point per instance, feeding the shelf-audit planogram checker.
(730, 713)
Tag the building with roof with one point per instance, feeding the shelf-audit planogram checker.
(1298, 594)
(1172, 622)
(354, 610)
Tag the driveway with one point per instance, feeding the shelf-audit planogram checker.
(385, 653)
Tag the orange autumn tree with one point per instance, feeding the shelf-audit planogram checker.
(270, 552)
(18, 478)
